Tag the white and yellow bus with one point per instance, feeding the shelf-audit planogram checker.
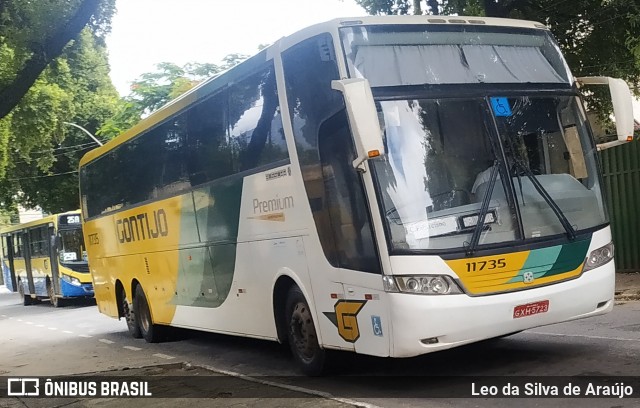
(47, 259)
(390, 186)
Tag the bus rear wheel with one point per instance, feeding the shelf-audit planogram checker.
(130, 316)
(55, 301)
(151, 332)
(26, 299)
(301, 334)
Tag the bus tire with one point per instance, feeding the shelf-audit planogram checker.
(26, 299)
(301, 334)
(55, 301)
(130, 316)
(149, 331)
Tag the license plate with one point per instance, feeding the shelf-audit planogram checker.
(530, 309)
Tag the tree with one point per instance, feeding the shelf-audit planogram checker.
(34, 33)
(40, 169)
(51, 71)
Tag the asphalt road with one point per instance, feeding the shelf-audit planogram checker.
(43, 341)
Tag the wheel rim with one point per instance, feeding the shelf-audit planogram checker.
(127, 311)
(144, 315)
(52, 298)
(303, 333)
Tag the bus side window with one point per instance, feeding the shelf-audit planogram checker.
(209, 152)
(17, 245)
(172, 163)
(38, 241)
(309, 67)
(255, 122)
(345, 198)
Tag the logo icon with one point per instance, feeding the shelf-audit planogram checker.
(528, 277)
(376, 323)
(345, 318)
(23, 387)
(501, 106)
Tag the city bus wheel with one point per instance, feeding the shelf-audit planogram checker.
(148, 330)
(55, 301)
(26, 299)
(130, 317)
(301, 334)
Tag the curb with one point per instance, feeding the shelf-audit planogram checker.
(627, 296)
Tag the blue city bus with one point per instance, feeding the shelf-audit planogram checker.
(46, 259)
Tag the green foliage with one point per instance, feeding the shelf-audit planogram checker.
(40, 169)
(38, 163)
(36, 122)
(37, 32)
(8, 216)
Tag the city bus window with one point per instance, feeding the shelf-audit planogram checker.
(387, 55)
(345, 199)
(309, 68)
(209, 151)
(5, 247)
(255, 122)
(38, 241)
(17, 246)
(170, 146)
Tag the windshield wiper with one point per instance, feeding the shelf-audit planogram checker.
(540, 189)
(484, 209)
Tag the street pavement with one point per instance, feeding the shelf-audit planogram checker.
(229, 390)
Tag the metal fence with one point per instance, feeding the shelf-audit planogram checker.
(621, 173)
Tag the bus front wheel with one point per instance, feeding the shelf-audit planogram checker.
(151, 332)
(130, 316)
(55, 301)
(301, 334)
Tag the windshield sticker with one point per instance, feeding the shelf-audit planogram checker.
(432, 228)
(501, 106)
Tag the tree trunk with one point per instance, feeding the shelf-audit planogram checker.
(417, 9)
(52, 47)
(433, 7)
(493, 8)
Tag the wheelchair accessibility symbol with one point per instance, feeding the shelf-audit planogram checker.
(376, 322)
(501, 106)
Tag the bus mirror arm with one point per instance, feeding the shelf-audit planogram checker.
(622, 106)
(363, 119)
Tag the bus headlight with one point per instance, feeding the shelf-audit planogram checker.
(71, 280)
(598, 257)
(425, 285)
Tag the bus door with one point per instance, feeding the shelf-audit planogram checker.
(7, 242)
(26, 252)
(54, 243)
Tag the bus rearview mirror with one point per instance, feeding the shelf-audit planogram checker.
(363, 118)
(622, 105)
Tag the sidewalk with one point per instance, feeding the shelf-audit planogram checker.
(627, 286)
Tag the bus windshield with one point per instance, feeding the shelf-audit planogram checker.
(440, 155)
(72, 249)
(390, 55)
